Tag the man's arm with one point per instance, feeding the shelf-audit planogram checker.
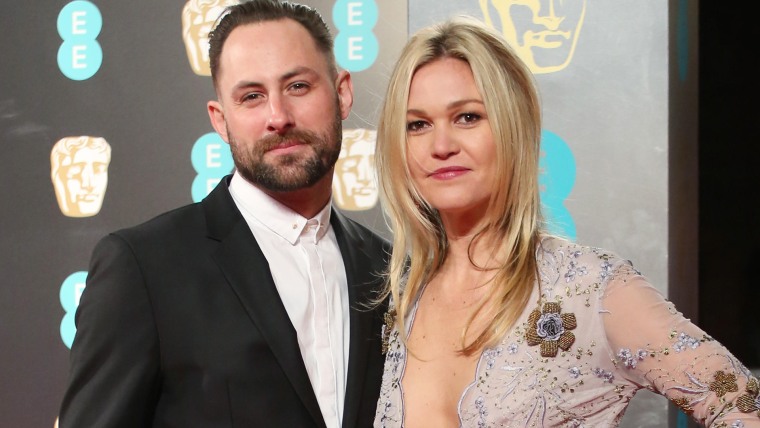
(114, 362)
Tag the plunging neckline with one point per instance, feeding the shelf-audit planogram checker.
(473, 382)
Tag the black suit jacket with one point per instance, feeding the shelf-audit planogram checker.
(180, 325)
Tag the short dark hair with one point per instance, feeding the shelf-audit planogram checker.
(257, 11)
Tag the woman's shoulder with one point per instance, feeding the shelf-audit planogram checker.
(563, 262)
(559, 252)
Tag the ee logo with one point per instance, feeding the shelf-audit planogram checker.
(556, 179)
(356, 46)
(71, 291)
(80, 55)
(212, 160)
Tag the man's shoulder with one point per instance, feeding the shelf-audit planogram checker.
(182, 218)
(217, 206)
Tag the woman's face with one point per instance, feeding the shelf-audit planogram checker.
(450, 147)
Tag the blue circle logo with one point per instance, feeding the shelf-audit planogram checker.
(212, 160)
(79, 24)
(71, 291)
(356, 47)
(556, 180)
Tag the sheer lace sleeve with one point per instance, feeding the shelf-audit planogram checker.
(656, 347)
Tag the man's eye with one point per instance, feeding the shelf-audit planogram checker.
(299, 86)
(253, 96)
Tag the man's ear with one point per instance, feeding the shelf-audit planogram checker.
(345, 87)
(216, 115)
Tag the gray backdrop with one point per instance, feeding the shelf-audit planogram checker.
(610, 106)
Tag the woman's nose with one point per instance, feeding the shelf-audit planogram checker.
(444, 143)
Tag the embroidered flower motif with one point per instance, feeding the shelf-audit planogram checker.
(549, 328)
(575, 270)
(684, 405)
(750, 401)
(630, 359)
(574, 372)
(606, 270)
(389, 320)
(723, 383)
(490, 355)
(604, 375)
(685, 341)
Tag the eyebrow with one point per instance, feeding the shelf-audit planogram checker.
(298, 71)
(451, 106)
(244, 84)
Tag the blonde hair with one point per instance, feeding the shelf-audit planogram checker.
(513, 215)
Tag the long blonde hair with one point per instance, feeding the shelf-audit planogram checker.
(513, 215)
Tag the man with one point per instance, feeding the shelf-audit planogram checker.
(249, 308)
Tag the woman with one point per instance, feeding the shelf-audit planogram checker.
(494, 322)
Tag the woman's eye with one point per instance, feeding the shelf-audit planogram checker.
(468, 118)
(415, 125)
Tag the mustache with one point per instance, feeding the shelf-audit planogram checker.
(294, 135)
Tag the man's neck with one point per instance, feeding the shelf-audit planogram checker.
(308, 201)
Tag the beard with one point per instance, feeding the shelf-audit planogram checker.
(292, 171)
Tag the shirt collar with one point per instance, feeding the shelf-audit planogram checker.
(273, 215)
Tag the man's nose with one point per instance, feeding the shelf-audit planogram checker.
(280, 118)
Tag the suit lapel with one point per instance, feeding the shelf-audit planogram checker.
(247, 271)
(361, 284)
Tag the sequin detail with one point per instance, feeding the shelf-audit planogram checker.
(613, 356)
(723, 383)
(389, 319)
(750, 401)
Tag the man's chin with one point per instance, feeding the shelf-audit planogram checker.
(283, 183)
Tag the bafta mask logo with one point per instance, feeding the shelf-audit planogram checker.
(79, 171)
(355, 182)
(544, 33)
(198, 18)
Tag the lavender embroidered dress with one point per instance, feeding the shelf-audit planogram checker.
(600, 333)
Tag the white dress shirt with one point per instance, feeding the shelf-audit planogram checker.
(310, 277)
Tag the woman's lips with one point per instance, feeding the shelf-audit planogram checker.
(448, 172)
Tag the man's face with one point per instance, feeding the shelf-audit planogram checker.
(543, 32)
(279, 108)
(355, 187)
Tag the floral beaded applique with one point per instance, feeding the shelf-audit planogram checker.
(389, 318)
(723, 383)
(550, 328)
(750, 401)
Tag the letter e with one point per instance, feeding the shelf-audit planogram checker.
(77, 55)
(212, 156)
(354, 48)
(353, 13)
(78, 22)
